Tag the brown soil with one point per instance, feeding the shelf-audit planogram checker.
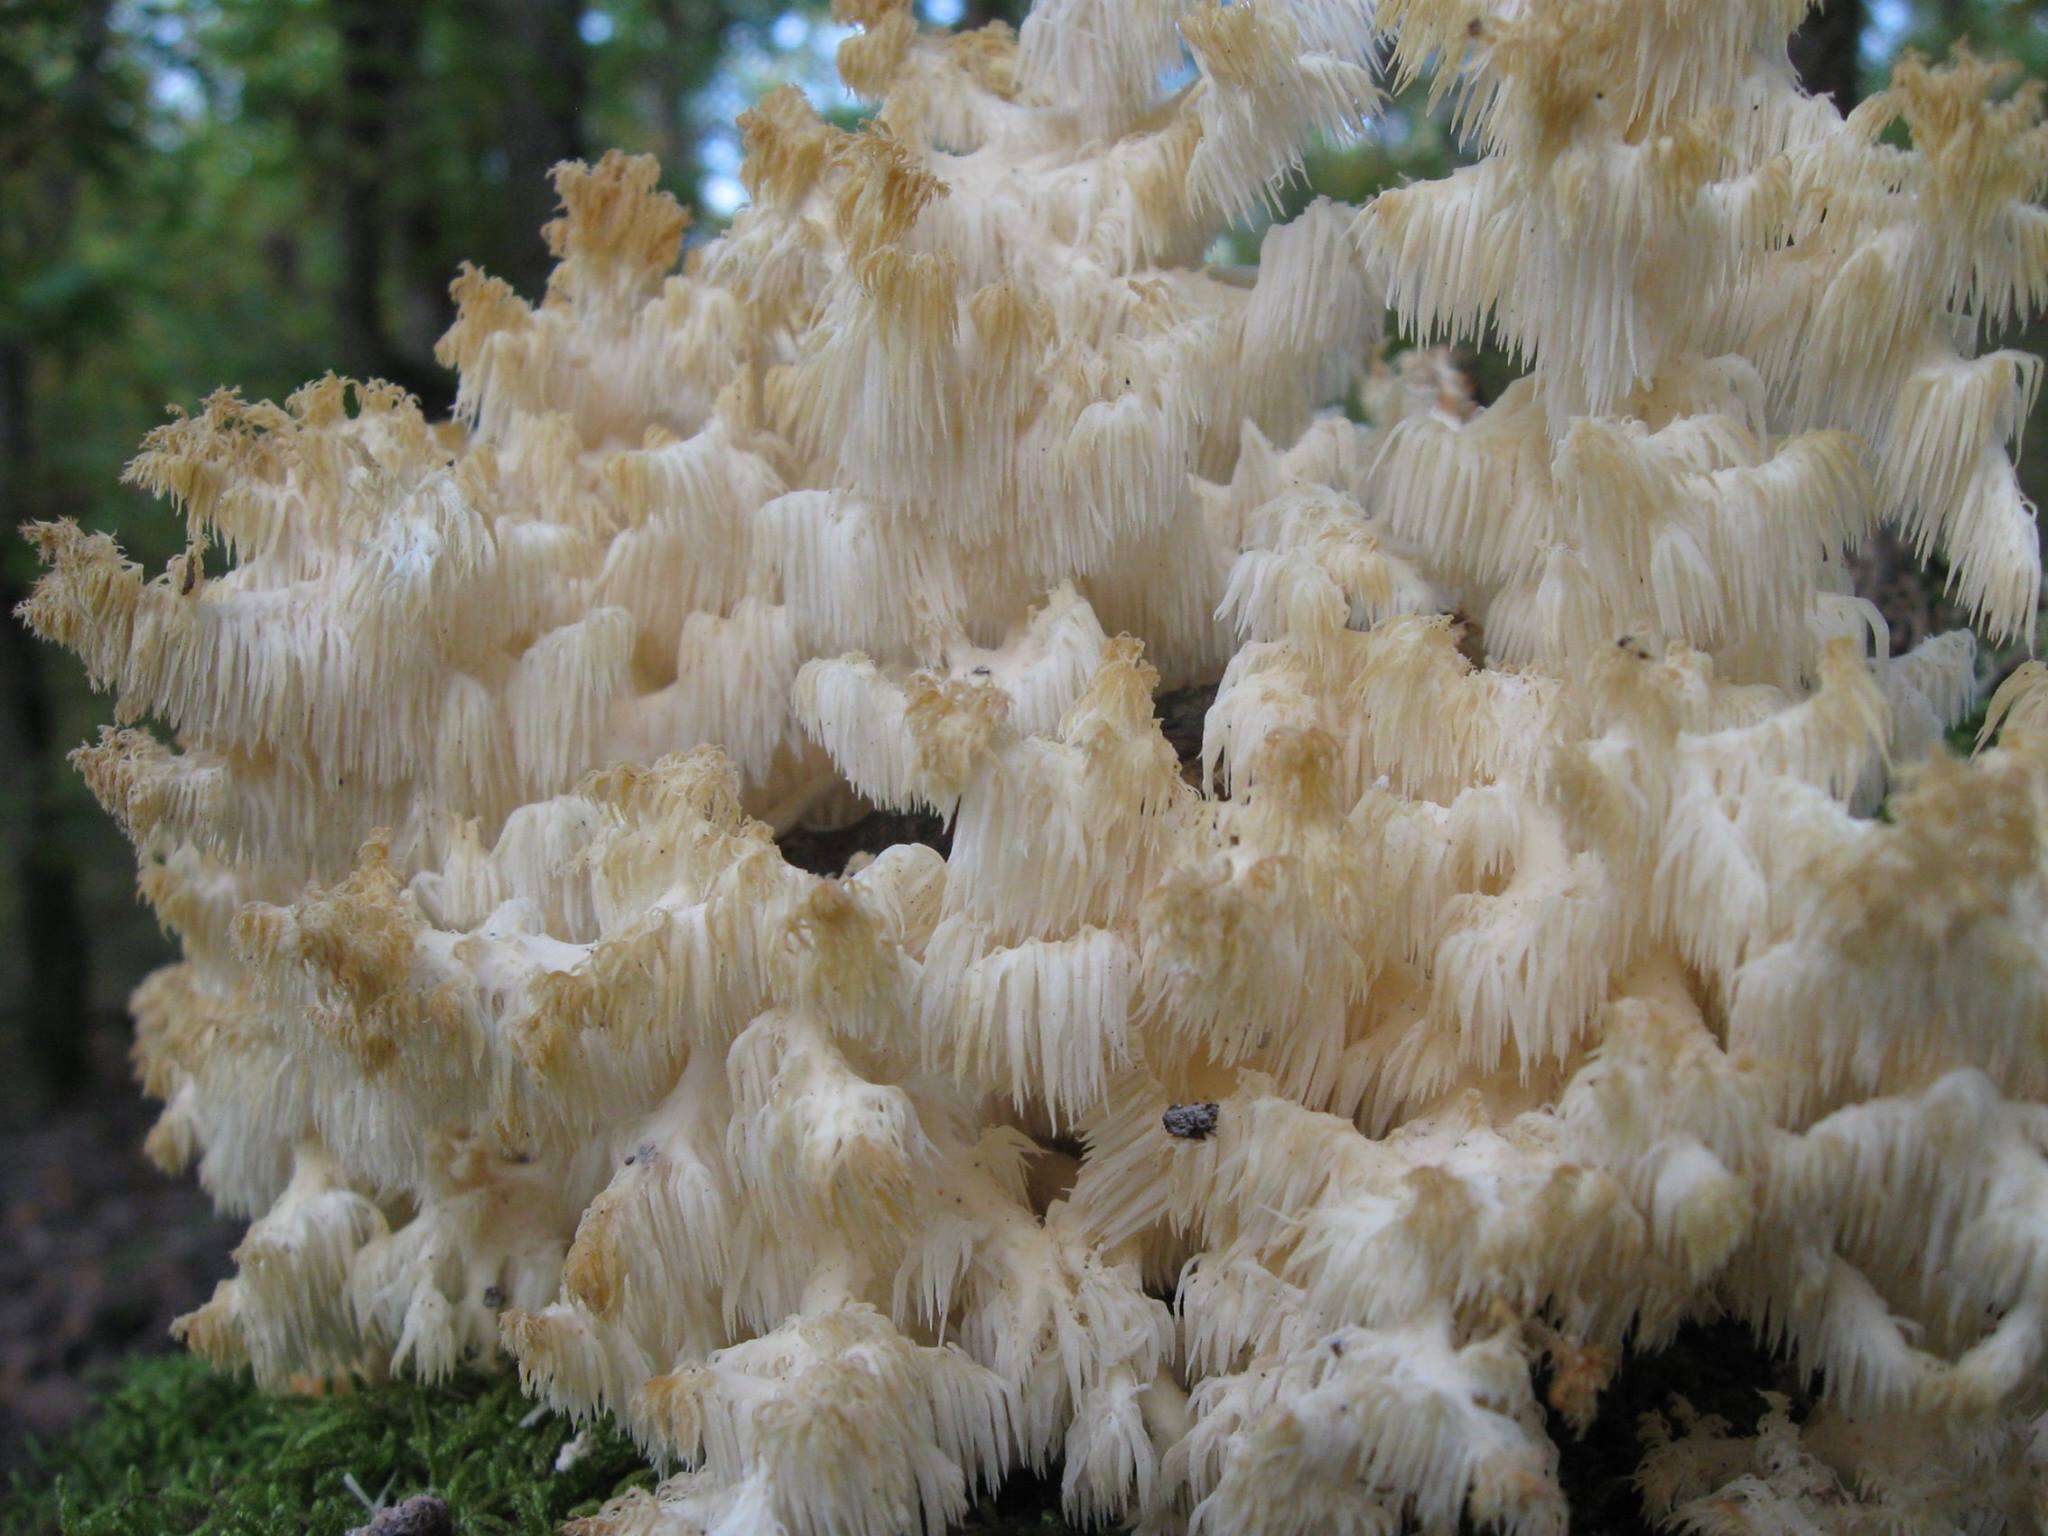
(99, 1251)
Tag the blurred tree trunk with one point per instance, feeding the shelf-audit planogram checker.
(540, 55)
(1827, 51)
(693, 36)
(690, 30)
(979, 13)
(379, 45)
(53, 938)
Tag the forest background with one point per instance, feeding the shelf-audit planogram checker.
(199, 192)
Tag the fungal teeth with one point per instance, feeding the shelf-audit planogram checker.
(1581, 925)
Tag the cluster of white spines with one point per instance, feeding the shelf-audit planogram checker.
(1543, 1001)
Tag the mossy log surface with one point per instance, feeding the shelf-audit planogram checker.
(175, 1449)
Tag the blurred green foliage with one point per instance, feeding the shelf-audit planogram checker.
(255, 191)
(2011, 29)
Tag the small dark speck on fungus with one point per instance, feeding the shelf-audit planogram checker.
(1190, 1122)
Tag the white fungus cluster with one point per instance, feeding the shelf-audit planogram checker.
(1526, 973)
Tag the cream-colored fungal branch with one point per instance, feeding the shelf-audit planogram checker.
(1521, 972)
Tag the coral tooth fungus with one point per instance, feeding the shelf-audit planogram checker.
(1508, 992)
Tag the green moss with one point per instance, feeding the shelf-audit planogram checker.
(174, 1449)
(177, 1450)
(1962, 737)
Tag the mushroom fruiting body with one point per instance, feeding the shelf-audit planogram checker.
(1497, 993)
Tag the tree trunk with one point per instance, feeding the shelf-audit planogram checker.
(1827, 52)
(379, 41)
(53, 940)
(542, 55)
(979, 13)
(690, 33)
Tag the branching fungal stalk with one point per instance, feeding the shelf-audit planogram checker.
(1508, 992)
